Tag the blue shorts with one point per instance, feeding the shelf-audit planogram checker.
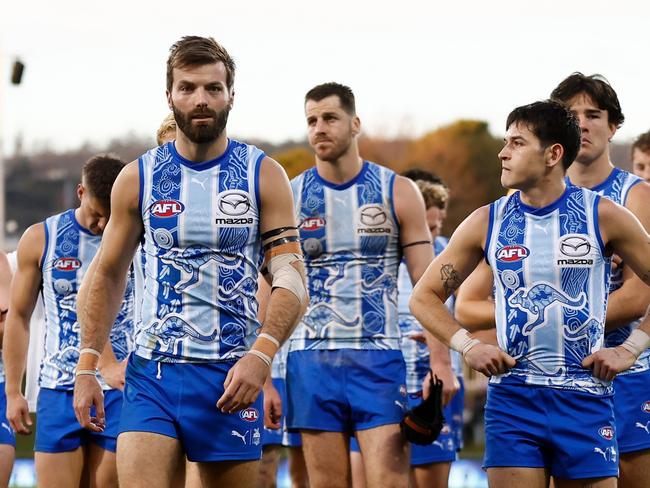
(57, 429)
(281, 437)
(179, 400)
(572, 433)
(632, 411)
(345, 390)
(449, 442)
(7, 435)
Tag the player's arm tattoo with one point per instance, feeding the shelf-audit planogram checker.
(450, 278)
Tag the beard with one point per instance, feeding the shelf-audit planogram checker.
(201, 134)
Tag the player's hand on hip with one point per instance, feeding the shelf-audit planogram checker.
(608, 362)
(114, 374)
(450, 384)
(489, 360)
(87, 394)
(243, 383)
(18, 414)
(272, 407)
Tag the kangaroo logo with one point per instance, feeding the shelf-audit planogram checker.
(538, 299)
(322, 316)
(174, 328)
(192, 259)
(241, 436)
(234, 202)
(645, 426)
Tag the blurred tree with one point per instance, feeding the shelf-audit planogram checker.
(464, 154)
(295, 160)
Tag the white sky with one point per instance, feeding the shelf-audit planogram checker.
(96, 70)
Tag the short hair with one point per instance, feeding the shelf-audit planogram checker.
(598, 89)
(642, 143)
(198, 51)
(424, 175)
(99, 174)
(345, 94)
(167, 125)
(434, 194)
(552, 123)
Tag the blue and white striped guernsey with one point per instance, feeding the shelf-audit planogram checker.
(69, 249)
(616, 188)
(201, 254)
(350, 239)
(416, 354)
(551, 282)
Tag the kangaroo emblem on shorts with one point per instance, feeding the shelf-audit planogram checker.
(538, 299)
(192, 259)
(174, 328)
(645, 427)
(319, 318)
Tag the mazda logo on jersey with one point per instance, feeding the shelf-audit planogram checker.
(67, 264)
(512, 253)
(606, 432)
(249, 415)
(372, 215)
(234, 202)
(312, 223)
(166, 208)
(574, 246)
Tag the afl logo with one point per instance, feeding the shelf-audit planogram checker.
(575, 246)
(166, 208)
(510, 254)
(646, 407)
(312, 223)
(372, 215)
(249, 415)
(606, 432)
(67, 264)
(234, 203)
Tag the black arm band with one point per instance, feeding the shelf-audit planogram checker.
(416, 243)
(276, 232)
(280, 241)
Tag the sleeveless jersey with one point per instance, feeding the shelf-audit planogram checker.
(350, 240)
(416, 354)
(201, 254)
(69, 249)
(616, 187)
(551, 282)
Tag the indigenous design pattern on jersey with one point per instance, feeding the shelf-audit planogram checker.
(69, 249)
(416, 353)
(350, 241)
(617, 187)
(201, 254)
(551, 282)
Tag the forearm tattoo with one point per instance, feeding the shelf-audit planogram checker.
(450, 279)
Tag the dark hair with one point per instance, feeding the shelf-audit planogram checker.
(552, 123)
(642, 143)
(197, 51)
(99, 174)
(416, 174)
(346, 97)
(598, 89)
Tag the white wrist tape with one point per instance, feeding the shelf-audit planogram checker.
(284, 275)
(264, 357)
(85, 372)
(90, 350)
(638, 342)
(461, 342)
(270, 338)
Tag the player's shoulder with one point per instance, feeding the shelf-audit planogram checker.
(639, 194)
(32, 243)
